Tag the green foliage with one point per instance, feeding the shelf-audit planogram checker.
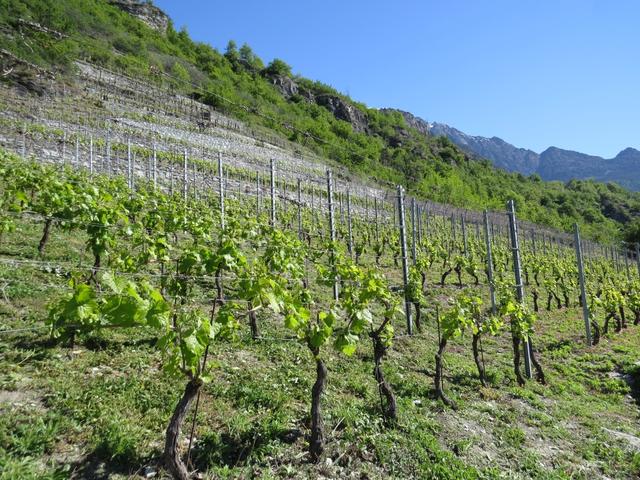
(278, 67)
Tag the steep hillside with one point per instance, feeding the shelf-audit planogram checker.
(186, 292)
(43, 38)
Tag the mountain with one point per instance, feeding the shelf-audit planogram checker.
(502, 154)
(552, 164)
(559, 164)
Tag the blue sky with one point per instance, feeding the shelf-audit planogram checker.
(533, 72)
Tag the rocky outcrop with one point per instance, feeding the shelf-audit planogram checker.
(344, 110)
(287, 87)
(340, 108)
(145, 11)
(412, 121)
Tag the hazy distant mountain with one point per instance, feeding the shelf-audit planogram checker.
(559, 164)
(552, 164)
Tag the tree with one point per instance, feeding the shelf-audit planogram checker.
(250, 59)
(181, 74)
(231, 53)
(278, 67)
(632, 231)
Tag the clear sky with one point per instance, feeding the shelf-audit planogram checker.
(533, 72)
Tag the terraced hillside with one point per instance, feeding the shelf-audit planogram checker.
(45, 40)
(189, 293)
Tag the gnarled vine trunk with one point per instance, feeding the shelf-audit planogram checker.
(253, 322)
(418, 318)
(623, 318)
(45, 235)
(437, 379)
(172, 459)
(389, 405)
(595, 332)
(534, 294)
(539, 372)
(444, 276)
(316, 442)
(516, 359)
(476, 358)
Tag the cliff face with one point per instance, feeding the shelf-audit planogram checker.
(145, 11)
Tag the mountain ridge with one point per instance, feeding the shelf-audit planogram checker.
(554, 163)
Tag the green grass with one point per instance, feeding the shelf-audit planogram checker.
(101, 408)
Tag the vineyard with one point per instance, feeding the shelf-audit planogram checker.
(183, 294)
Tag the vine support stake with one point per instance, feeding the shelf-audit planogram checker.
(77, 151)
(375, 212)
(313, 206)
(419, 219)
(349, 223)
(273, 192)
(108, 148)
(155, 166)
(171, 170)
(492, 287)
(366, 207)
(91, 155)
(332, 233)
(517, 271)
(24, 140)
(413, 230)
(583, 288)
(185, 186)
(464, 234)
(453, 228)
(626, 262)
(533, 242)
(299, 209)
(64, 147)
(405, 264)
(129, 179)
(221, 190)
(257, 195)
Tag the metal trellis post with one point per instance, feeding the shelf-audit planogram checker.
(513, 229)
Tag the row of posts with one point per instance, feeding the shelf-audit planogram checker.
(415, 225)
